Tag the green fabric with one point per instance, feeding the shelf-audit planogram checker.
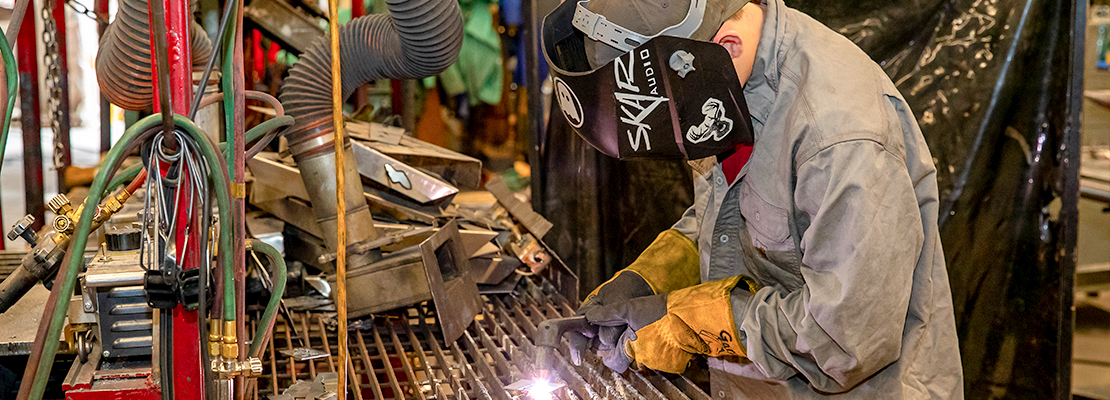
(479, 68)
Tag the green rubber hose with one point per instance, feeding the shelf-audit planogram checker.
(12, 74)
(280, 277)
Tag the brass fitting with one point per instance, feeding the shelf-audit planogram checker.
(230, 347)
(115, 203)
(214, 337)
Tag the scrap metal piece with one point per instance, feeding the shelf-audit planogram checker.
(492, 269)
(520, 210)
(279, 190)
(288, 26)
(462, 170)
(303, 353)
(398, 176)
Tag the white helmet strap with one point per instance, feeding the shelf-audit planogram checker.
(596, 27)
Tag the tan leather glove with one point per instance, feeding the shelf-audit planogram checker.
(665, 330)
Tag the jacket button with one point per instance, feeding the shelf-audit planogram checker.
(721, 394)
(720, 180)
(757, 216)
(724, 238)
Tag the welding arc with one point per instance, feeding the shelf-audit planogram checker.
(53, 322)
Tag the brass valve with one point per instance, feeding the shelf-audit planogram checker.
(227, 368)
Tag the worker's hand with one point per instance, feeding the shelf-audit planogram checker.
(664, 331)
(618, 322)
(623, 287)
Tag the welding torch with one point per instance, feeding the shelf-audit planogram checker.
(548, 335)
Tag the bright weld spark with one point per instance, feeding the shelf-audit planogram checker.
(541, 390)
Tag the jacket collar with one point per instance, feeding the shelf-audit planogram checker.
(763, 84)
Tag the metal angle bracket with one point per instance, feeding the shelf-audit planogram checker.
(454, 291)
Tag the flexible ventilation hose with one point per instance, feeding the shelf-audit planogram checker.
(420, 38)
(123, 66)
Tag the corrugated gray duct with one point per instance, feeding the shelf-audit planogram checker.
(420, 38)
(123, 63)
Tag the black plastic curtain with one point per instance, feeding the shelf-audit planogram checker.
(995, 86)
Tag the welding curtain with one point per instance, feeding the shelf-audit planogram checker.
(994, 86)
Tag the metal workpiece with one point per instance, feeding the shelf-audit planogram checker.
(436, 270)
(397, 176)
(401, 356)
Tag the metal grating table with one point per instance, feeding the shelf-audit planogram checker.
(401, 355)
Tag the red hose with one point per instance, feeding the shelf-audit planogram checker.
(135, 183)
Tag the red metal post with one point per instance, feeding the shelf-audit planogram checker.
(62, 135)
(188, 378)
(27, 59)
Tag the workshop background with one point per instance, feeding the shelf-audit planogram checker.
(997, 86)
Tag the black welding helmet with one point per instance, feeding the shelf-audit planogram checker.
(666, 97)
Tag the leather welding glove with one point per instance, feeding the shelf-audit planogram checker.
(666, 330)
(668, 264)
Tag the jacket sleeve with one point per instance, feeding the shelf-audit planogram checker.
(860, 249)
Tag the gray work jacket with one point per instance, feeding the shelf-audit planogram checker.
(835, 215)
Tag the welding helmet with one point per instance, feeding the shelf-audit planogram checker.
(665, 97)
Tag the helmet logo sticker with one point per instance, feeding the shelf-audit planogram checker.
(568, 102)
(637, 107)
(716, 125)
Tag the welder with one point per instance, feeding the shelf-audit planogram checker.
(810, 263)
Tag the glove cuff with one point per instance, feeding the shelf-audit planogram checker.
(669, 263)
(701, 319)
